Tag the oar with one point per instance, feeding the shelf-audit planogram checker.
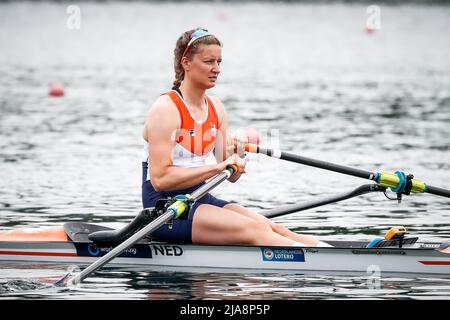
(398, 181)
(292, 208)
(173, 212)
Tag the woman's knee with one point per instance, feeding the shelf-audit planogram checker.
(278, 228)
(256, 230)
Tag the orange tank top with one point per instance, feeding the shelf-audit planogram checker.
(195, 140)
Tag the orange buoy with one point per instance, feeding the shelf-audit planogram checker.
(370, 29)
(222, 16)
(56, 90)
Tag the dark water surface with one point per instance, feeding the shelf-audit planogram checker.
(309, 77)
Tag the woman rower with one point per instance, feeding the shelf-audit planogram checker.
(183, 128)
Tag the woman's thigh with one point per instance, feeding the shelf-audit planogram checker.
(278, 228)
(248, 213)
(214, 225)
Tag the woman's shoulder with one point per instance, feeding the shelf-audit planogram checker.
(162, 101)
(163, 111)
(217, 103)
(161, 115)
(163, 104)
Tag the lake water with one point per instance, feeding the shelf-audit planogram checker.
(308, 76)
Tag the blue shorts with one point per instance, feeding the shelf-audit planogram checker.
(181, 230)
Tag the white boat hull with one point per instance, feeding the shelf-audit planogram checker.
(237, 258)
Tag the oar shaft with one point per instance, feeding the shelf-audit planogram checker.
(437, 191)
(316, 163)
(155, 224)
(167, 216)
(398, 181)
(276, 212)
(211, 184)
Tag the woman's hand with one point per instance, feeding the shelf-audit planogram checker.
(236, 143)
(239, 163)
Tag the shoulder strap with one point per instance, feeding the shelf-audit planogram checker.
(178, 103)
(213, 111)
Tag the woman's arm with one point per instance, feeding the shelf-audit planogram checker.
(161, 127)
(225, 144)
(222, 150)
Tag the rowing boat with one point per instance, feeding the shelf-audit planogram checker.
(95, 245)
(70, 244)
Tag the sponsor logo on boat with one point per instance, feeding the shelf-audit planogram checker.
(268, 254)
(92, 250)
(137, 251)
(282, 254)
(166, 250)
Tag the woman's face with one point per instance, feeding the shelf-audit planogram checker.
(204, 68)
